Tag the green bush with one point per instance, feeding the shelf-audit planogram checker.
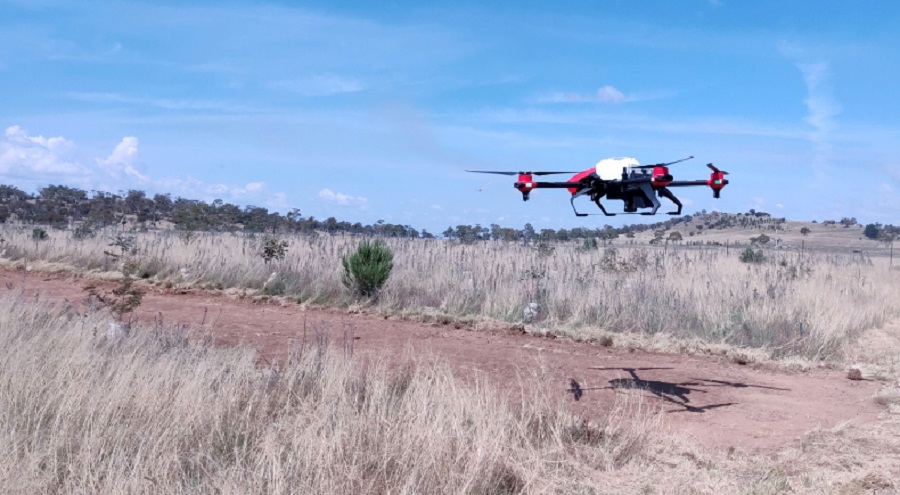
(366, 270)
(39, 234)
(750, 256)
(273, 249)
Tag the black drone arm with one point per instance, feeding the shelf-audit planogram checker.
(683, 183)
(554, 185)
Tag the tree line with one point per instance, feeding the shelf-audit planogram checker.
(66, 207)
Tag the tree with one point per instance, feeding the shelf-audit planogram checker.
(805, 231)
(871, 231)
(762, 239)
(675, 236)
(528, 233)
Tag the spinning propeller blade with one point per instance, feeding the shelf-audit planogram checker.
(716, 170)
(517, 173)
(664, 164)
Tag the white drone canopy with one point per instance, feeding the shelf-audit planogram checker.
(611, 168)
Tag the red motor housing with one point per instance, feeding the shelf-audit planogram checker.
(661, 176)
(525, 184)
(716, 182)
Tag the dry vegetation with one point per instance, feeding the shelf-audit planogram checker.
(159, 411)
(812, 305)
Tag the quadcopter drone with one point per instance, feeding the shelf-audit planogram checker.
(636, 185)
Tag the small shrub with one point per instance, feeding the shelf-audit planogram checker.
(39, 234)
(589, 244)
(84, 231)
(367, 269)
(273, 249)
(121, 300)
(187, 236)
(125, 243)
(750, 256)
(544, 249)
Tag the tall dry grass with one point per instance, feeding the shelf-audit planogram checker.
(812, 305)
(155, 412)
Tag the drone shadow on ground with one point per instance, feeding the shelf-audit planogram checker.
(671, 392)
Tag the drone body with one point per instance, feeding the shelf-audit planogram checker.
(622, 179)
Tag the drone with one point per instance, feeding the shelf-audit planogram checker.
(636, 185)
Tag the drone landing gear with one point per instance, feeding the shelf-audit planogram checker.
(600, 205)
(596, 201)
(666, 193)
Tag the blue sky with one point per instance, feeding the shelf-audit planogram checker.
(369, 110)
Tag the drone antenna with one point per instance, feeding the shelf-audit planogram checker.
(665, 164)
(678, 161)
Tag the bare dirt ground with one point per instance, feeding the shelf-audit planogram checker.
(719, 403)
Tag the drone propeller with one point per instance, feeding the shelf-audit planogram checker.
(664, 164)
(517, 173)
(716, 170)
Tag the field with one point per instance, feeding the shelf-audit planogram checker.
(170, 409)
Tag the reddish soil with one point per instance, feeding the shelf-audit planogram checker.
(717, 402)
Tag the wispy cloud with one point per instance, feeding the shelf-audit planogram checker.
(342, 199)
(322, 85)
(164, 103)
(607, 94)
(632, 121)
(820, 104)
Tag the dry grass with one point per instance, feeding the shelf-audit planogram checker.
(157, 412)
(814, 306)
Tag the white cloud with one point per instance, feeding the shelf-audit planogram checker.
(27, 160)
(609, 94)
(224, 191)
(32, 157)
(123, 161)
(606, 94)
(278, 201)
(323, 85)
(342, 199)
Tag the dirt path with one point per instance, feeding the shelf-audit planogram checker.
(719, 403)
